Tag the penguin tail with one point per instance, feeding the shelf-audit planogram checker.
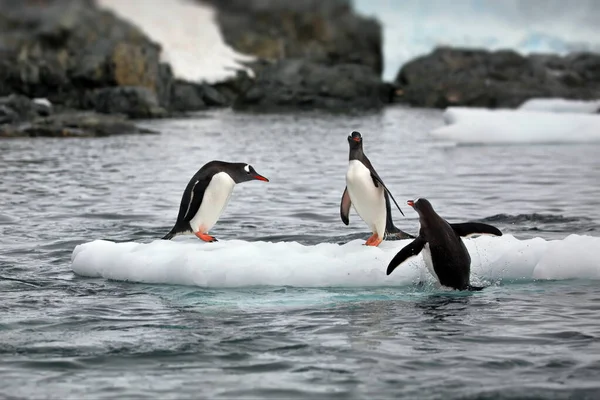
(178, 229)
(475, 288)
(394, 233)
(169, 236)
(174, 232)
(399, 235)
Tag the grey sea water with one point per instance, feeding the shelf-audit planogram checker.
(69, 337)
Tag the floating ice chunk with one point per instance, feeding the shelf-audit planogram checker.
(189, 35)
(239, 263)
(41, 101)
(562, 106)
(558, 261)
(484, 126)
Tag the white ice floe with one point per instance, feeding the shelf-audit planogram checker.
(189, 35)
(485, 126)
(562, 106)
(239, 263)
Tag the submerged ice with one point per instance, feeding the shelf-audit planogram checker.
(237, 263)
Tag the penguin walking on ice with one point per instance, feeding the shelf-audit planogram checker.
(206, 196)
(445, 254)
(369, 196)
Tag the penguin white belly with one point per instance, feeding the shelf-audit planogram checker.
(429, 261)
(367, 199)
(216, 197)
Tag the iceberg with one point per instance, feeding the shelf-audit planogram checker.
(189, 35)
(562, 105)
(485, 126)
(237, 263)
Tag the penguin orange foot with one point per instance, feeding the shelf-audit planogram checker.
(206, 237)
(374, 240)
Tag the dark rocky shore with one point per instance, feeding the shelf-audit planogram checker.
(93, 66)
(480, 78)
(99, 73)
(313, 55)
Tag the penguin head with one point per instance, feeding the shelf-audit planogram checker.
(421, 206)
(245, 172)
(355, 140)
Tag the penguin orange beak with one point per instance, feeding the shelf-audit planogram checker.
(410, 203)
(260, 178)
(356, 139)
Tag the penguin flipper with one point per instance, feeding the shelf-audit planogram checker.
(195, 200)
(376, 180)
(407, 252)
(473, 228)
(345, 207)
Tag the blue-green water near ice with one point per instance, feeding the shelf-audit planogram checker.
(68, 337)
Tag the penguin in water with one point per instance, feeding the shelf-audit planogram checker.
(368, 194)
(445, 254)
(206, 196)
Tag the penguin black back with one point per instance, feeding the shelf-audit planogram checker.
(449, 256)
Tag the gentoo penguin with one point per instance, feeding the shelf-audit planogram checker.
(368, 194)
(206, 196)
(445, 255)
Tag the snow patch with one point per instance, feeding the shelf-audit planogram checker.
(189, 35)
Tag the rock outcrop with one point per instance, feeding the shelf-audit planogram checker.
(325, 32)
(16, 108)
(188, 96)
(81, 57)
(20, 116)
(305, 85)
(479, 78)
(74, 54)
(312, 55)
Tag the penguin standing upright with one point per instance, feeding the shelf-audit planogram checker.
(369, 196)
(445, 255)
(206, 196)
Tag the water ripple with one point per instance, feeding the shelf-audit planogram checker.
(63, 336)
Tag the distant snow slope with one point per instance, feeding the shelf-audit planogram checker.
(484, 126)
(188, 33)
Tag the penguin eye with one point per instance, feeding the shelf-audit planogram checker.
(247, 168)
